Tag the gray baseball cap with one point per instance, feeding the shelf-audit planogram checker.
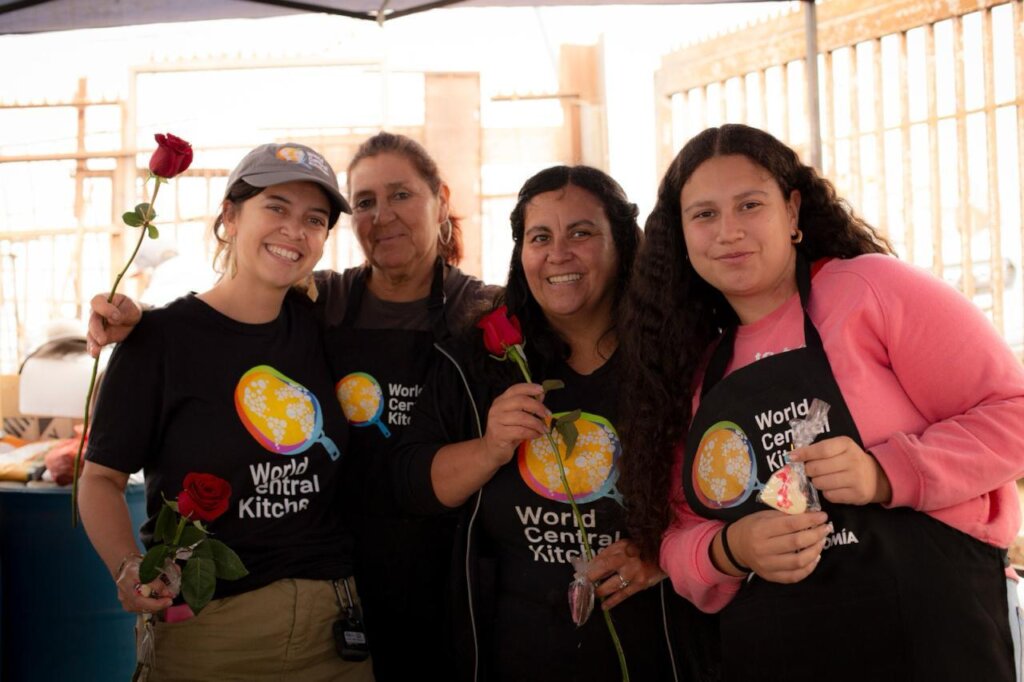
(273, 164)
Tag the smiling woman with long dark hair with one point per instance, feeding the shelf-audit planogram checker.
(477, 443)
(757, 291)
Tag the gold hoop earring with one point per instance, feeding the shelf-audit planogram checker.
(797, 237)
(446, 240)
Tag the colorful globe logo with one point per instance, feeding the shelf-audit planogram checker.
(591, 468)
(281, 414)
(362, 400)
(724, 468)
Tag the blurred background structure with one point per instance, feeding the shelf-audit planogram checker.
(920, 103)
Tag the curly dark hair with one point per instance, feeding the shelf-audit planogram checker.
(672, 316)
(545, 348)
(393, 143)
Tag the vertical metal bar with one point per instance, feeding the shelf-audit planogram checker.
(723, 100)
(933, 146)
(811, 74)
(828, 119)
(856, 190)
(81, 103)
(880, 175)
(963, 179)
(762, 99)
(742, 103)
(995, 218)
(784, 98)
(908, 165)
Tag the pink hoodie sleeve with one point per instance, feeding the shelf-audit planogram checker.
(963, 380)
(685, 557)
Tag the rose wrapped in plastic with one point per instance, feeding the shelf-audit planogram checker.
(184, 556)
(503, 339)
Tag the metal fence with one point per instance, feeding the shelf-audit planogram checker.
(921, 124)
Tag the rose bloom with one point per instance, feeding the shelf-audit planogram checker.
(204, 497)
(173, 156)
(501, 330)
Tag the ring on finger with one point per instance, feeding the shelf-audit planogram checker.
(623, 581)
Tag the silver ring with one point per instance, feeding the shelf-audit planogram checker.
(623, 582)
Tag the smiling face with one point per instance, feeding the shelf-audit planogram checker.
(569, 255)
(278, 234)
(738, 230)
(395, 214)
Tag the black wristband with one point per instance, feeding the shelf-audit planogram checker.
(728, 552)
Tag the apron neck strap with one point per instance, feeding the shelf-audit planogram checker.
(435, 302)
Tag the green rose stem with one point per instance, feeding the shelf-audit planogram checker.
(147, 215)
(516, 353)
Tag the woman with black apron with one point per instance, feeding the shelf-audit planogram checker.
(383, 320)
(902, 574)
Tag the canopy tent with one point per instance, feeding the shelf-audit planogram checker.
(34, 16)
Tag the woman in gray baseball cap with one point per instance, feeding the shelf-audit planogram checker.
(234, 384)
(382, 320)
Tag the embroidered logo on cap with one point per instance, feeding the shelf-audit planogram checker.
(303, 157)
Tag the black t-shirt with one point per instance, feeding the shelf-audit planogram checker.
(192, 390)
(528, 526)
(524, 531)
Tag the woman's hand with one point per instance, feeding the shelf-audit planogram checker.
(622, 573)
(843, 472)
(110, 322)
(782, 548)
(137, 598)
(515, 415)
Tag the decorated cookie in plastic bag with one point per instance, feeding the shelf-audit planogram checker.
(789, 489)
(784, 491)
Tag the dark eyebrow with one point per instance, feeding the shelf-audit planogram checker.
(286, 200)
(708, 202)
(389, 186)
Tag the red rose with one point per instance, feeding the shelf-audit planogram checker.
(501, 330)
(172, 156)
(204, 498)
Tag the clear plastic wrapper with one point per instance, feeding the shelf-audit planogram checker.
(581, 592)
(789, 489)
(145, 650)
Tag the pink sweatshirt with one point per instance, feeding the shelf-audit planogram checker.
(937, 395)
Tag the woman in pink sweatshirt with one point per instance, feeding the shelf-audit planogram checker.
(756, 292)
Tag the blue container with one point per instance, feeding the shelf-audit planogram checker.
(61, 619)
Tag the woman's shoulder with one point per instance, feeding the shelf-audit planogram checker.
(169, 315)
(467, 289)
(882, 275)
(333, 290)
(468, 298)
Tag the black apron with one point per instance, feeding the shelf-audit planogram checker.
(897, 595)
(402, 563)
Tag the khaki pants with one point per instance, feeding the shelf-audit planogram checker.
(281, 632)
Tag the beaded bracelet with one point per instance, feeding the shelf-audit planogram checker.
(728, 552)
